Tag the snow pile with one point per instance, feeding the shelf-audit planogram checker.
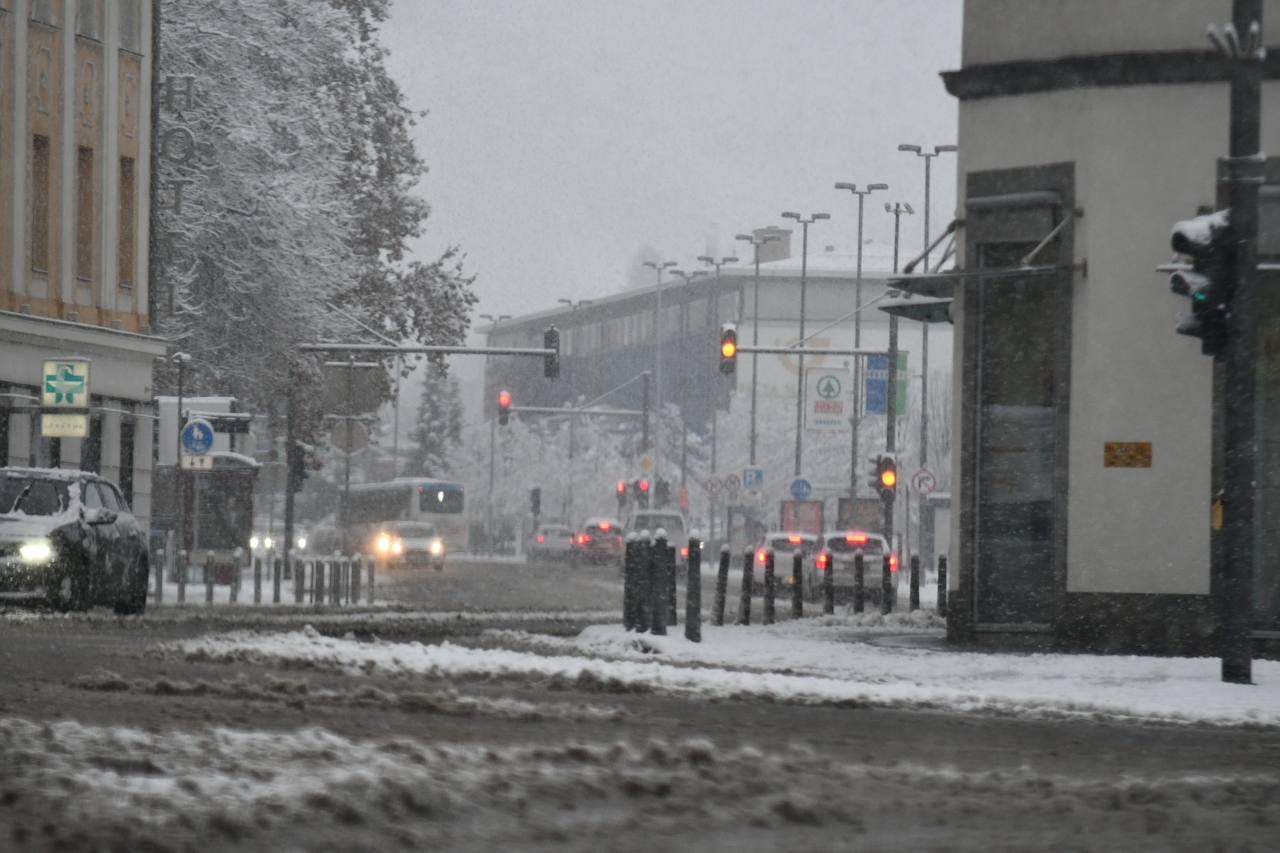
(763, 663)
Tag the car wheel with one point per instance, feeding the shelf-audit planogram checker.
(133, 600)
(69, 589)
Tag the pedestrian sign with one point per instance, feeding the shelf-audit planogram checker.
(65, 383)
(197, 437)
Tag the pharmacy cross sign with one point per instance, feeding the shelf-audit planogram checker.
(64, 383)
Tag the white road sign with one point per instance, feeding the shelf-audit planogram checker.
(826, 398)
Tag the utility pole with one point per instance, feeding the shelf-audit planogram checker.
(804, 272)
(756, 242)
(897, 209)
(1245, 165)
(658, 267)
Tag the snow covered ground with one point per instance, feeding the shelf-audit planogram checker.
(819, 661)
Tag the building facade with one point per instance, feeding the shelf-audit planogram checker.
(1086, 465)
(75, 125)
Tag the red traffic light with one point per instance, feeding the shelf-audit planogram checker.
(504, 399)
(621, 488)
(644, 485)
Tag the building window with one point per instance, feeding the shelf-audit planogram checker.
(130, 25)
(84, 214)
(45, 11)
(126, 459)
(40, 203)
(128, 213)
(89, 19)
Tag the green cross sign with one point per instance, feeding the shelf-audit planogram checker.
(828, 387)
(66, 383)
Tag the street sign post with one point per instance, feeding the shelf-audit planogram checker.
(801, 489)
(732, 483)
(923, 481)
(752, 479)
(197, 437)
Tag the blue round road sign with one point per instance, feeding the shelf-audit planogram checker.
(801, 489)
(197, 437)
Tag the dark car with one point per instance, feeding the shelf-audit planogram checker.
(68, 537)
(599, 541)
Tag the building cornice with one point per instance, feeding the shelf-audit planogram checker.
(1134, 68)
(68, 335)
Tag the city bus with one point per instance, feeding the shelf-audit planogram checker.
(438, 503)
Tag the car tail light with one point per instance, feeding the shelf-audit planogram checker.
(684, 552)
(793, 539)
(583, 539)
(604, 525)
(760, 555)
(540, 538)
(893, 562)
(824, 560)
(856, 538)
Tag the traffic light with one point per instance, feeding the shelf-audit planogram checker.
(620, 490)
(504, 407)
(662, 493)
(535, 500)
(1209, 241)
(885, 481)
(551, 361)
(642, 493)
(728, 349)
(296, 462)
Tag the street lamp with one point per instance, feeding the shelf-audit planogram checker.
(857, 336)
(658, 267)
(180, 359)
(756, 242)
(715, 294)
(924, 327)
(687, 278)
(804, 270)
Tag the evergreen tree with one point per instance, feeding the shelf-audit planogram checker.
(438, 431)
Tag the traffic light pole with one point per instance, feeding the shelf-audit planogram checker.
(1244, 173)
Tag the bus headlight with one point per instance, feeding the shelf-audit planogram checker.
(302, 543)
(36, 551)
(436, 547)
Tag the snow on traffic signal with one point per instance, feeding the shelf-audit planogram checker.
(728, 348)
(504, 407)
(1209, 241)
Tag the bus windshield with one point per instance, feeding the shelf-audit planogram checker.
(440, 498)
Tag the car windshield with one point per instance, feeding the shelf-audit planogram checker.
(848, 543)
(416, 530)
(32, 495)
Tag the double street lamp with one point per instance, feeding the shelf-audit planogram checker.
(658, 267)
(805, 222)
(756, 242)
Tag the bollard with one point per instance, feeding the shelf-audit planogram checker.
(942, 584)
(828, 584)
(886, 587)
(915, 582)
(335, 580)
(671, 585)
(859, 581)
(768, 587)
(257, 580)
(373, 564)
(797, 586)
(277, 575)
(629, 583)
(722, 587)
(317, 582)
(748, 581)
(234, 594)
(182, 577)
(658, 584)
(357, 562)
(299, 579)
(208, 579)
(693, 593)
(644, 585)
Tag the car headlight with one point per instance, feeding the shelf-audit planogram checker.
(253, 542)
(383, 543)
(302, 543)
(36, 551)
(436, 547)
(397, 546)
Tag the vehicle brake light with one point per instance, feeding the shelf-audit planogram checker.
(793, 539)
(583, 539)
(540, 538)
(893, 562)
(684, 552)
(604, 525)
(760, 555)
(824, 559)
(856, 538)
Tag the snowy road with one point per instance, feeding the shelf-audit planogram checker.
(396, 728)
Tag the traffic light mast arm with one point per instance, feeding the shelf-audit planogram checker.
(747, 348)
(381, 349)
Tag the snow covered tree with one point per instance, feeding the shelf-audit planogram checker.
(438, 431)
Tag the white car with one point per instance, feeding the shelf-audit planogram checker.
(551, 543)
(785, 544)
(842, 546)
(669, 520)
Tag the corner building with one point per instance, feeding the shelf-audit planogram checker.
(75, 77)
(1087, 461)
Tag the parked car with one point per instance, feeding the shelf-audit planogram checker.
(785, 544)
(599, 541)
(68, 537)
(842, 546)
(551, 543)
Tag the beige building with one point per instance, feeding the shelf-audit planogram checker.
(75, 77)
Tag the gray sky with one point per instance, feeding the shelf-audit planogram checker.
(564, 135)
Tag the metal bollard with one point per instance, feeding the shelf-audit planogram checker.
(886, 586)
(182, 576)
(373, 564)
(357, 563)
(335, 580)
(693, 593)
(644, 583)
(828, 584)
(768, 587)
(797, 586)
(234, 594)
(671, 586)
(299, 579)
(748, 581)
(658, 584)
(915, 582)
(208, 579)
(722, 587)
(317, 582)
(942, 584)
(859, 581)
(257, 580)
(629, 583)
(276, 577)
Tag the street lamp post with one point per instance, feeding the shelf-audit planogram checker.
(715, 294)
(756, 242)
(180, 563)
(896, 210)
(857, 336)
(493, 430)
(573, 395)
(804, 270)
(687, 278)
(924, 327)
(658, 267)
